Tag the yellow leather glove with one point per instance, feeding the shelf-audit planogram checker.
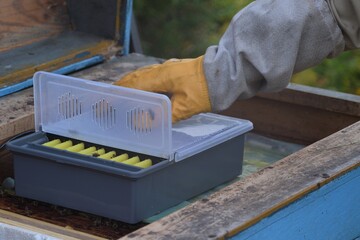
(183, 80)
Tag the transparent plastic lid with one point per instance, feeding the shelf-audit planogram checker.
(204, 131)
(125, 118)
(103, 113)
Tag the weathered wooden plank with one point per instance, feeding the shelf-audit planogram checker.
(77, 66)
(332, 212)
(50, 54)
(332, 101)
(23, 22)
(115, 68)
(299, 114)
(43, 227)
(16, 113)
(246, 202)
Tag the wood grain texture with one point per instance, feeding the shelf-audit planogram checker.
(51, 54)
(43, 227)
(115, 68)
(332, 212)
(317, 98)
(299, 114)
(16, 113)
(244, 203)
(26, 21)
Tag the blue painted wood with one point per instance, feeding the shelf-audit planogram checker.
(127, 30)
(331, 212)
(64, 70)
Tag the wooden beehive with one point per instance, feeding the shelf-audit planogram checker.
(58, 35)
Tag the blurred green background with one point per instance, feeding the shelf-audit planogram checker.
(183, 29)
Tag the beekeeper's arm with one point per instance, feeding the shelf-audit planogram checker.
(265, 43)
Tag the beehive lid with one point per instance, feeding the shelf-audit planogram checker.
(125, 118)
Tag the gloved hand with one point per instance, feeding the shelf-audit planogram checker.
(183, 80)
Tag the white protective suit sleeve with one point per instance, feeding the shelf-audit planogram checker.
(347, 14)
(265, 43)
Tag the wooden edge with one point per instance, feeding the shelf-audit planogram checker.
(19, 126)
(288, 201)
(298, 114)
(24, 22)
(317, 98)
(43, 227)
(244, 203)
(16, 113)
(101, 47)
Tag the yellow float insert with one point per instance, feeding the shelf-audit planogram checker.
(144, 164)
(76, 148)
(64, 145)
(52, 143)
(99, 152)
(132, 161)
(121, 157)
(108, 155)
(88, 151)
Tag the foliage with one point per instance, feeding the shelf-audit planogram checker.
(341, 73)
(182, 29)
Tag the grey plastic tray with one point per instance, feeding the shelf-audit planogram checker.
(115, 190)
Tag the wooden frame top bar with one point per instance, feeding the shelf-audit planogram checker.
(299, 114)
(244, 203)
